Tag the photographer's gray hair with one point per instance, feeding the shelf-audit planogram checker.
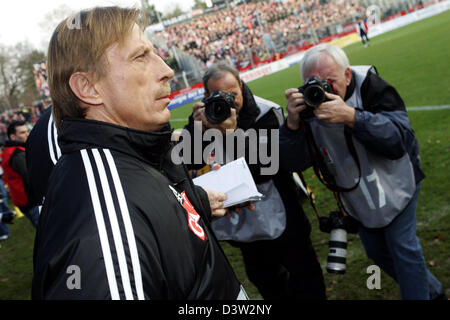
(312, 56)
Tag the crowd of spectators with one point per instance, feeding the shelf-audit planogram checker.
(260, 28)
(29, 114)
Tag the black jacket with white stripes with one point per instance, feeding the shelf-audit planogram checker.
(121, 221)
(42, 152)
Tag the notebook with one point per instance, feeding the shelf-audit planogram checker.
(234, 179)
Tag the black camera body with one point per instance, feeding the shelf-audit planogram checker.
(7, 217)
(314, 91)
(335, 221)
(218, 106)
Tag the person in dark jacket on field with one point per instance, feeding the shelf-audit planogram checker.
(42, 153)
(380, 179)
(273, 235)
(15, 170)
(120, 220)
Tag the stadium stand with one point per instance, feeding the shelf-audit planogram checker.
(257, 32)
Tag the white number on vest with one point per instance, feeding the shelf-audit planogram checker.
(381, 195)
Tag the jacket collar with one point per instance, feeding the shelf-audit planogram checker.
(77, 134)
(249, 112)
(350, 87)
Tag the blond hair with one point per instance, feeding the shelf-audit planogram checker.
(81, 47)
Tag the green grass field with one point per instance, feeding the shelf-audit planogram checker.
(415, 59)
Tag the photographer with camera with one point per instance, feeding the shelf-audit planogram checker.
(354, 130)
(273, 235)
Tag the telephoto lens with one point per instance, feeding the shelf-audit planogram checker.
(337, 251)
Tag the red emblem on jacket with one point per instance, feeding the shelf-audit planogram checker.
(193, 216)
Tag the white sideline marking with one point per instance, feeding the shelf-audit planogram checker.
(428, 108)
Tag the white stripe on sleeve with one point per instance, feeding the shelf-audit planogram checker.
(114, 226)
(55, 132)
(101, 228)
(128, 226)
(50, 140)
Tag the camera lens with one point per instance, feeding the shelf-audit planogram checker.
(337, 251)
(218, 106)
(314, 96)
(217, 111)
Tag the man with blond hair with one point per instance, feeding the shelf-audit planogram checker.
(120, 220)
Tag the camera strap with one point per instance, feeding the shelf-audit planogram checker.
(311, 199)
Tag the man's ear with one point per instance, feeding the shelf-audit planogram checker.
(84, 88)
(348, 76)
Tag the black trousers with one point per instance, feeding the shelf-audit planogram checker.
(286, 267)
(363, 36)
